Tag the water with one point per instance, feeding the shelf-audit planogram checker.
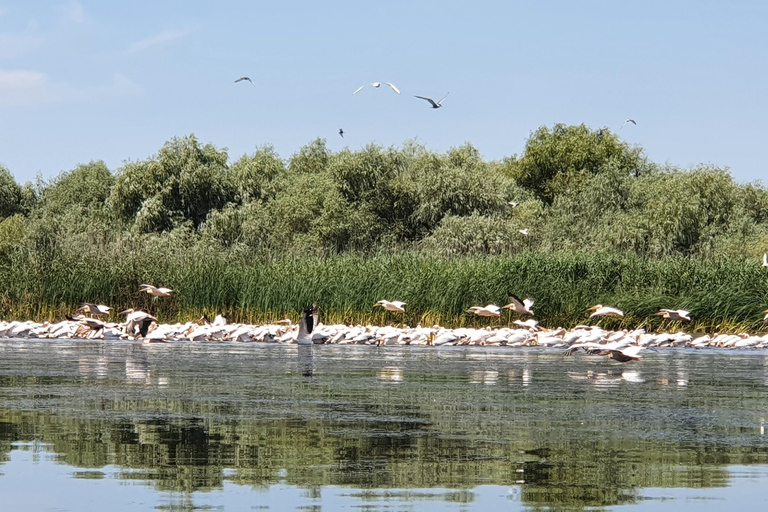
(126, 426)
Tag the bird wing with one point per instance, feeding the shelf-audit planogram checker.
(528, 302)
(515, 301)
(393, 87)
(398, 303)
(441, 99)
(428, 99)
(359, 89)
(632, 351)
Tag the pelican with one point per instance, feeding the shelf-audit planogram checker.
(246, 79)
(524, 231)
(156, 292)
(489, 310)
(137, 321)
(341, 132)
(376, 85)
(521, 307)
(92, 324)
(765, 260)
(394, 305)
(94, 309)
(601, 310)
(674, 314)
(434, 105)
(617, 352)
(528, 324)
(765, 320)
(306, 325)
(628, 121)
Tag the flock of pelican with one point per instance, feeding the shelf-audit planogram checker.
(621, 345)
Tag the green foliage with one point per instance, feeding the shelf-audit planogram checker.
(10, 194)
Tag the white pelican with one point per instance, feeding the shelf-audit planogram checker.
(628, 121)
(528, 324)
(521, 307)
(615, 351)
(489, 310)
(674, 314)
(154, 291)
(94, 309)
(434, 105)
(306, 326)
(394, 305)
(137, 322)
(524, 231)
(601, 310)
(377, 85)
(246, 79)
(765, 260)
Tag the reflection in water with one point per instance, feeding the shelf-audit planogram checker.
(199, 419)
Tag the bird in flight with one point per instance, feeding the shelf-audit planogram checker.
(434, 104)
(377, 85)
(245, 78)
(523, 231)
(341, 132)
(628, 121)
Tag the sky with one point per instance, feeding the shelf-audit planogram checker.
(113, 81)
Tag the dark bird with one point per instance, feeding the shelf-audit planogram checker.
(307, 324)
(600, 133)
(628, 121)
(518, 305)
(434, 105)
(341, 132)
(137, 322)
(245, 78)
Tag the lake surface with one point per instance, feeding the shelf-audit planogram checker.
(127, 426)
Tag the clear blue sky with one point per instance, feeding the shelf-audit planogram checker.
(85, 80)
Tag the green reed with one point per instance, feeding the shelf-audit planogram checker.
(721, 295)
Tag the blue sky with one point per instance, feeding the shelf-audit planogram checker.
(83, 81)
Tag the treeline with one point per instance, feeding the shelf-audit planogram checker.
(577, 191)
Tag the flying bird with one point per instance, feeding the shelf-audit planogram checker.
(94, 309)
(628, 121)
(156, 292)
(394, 305)
(246, 79)
(341, 132)
(524, 231)
(489, 310)
(513, 204)
(674, 314)
(434, 105)
(137, 322)
(521, 307)
(377, 85)
(601, 310)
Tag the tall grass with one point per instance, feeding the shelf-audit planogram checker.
(721, 295)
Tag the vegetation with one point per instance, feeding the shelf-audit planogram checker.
(261, 235)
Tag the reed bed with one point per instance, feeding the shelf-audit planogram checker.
(721, 295)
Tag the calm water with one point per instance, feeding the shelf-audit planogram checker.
(124, 426)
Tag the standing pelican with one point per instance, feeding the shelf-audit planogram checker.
(434, 104)
(307, 325)
(377, 85)
(94, 309)
(600, 310)
(674, 314)
(246, 79)
(489, 310)
(521, 307)
(394, 305)
(156, 292)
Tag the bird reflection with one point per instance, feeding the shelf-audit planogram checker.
(306, 361)
(390, 374)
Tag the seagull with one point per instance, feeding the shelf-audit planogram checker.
(674, 314)
(307, 325)
(394, 305)
(377, 85)
(628, 121)
(245, 78)
(157, 292)
(434, 105)
(601, 310)
(489, 310)
(521, 307)
(341, 132)
(94, 309)
(765, 260)
(524, 231)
